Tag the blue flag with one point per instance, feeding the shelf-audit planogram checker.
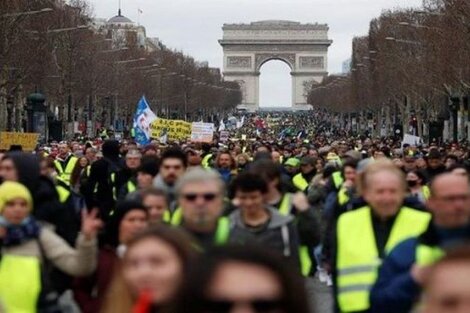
(143, 117)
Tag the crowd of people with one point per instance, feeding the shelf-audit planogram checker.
(236, 226)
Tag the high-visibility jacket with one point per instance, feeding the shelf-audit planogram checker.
(64, 174)
(343, 196)
(426, 192)
(300, 182)
(206, 160)
(222, 232)
(285, 208)
(427, 255)
(357, 258)
(337, 179)
(63, 192)
(20, 283)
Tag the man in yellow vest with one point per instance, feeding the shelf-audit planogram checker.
(365, 236)
(200, 195)
(307, 172)
(404, 270)
(65, 163)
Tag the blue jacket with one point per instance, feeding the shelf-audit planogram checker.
(395, 290)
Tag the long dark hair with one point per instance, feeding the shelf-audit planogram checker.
(119, 298)
(201, 275)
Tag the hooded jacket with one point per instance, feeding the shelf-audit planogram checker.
(98, 190)
(279, 234)
(47, 206)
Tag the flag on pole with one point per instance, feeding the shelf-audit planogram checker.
(221, 125)
(143, 117)
(242, 121)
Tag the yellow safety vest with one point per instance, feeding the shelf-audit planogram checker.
(427, 255)
(65, 174)
(337, 179)
(63, 192)
(343, 196)
(222, 232)
(357, 256)
(131, 187)
(300, 182)
(20, 283)
(426, 192)
(205, 161)
(285, 208)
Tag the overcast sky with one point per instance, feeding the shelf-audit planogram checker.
(194, 26)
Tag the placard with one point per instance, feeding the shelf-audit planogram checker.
(202, 132)
(28, 141)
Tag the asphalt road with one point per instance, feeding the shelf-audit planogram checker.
(320, 295)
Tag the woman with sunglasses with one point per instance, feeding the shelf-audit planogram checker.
(244, 280)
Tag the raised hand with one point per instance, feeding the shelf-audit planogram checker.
(91, 224)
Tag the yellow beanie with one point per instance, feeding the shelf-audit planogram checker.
(11, 190)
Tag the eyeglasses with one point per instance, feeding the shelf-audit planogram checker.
(209, 196)
(258, 305)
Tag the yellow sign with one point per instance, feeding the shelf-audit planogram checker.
(27, 140)
(175, 129)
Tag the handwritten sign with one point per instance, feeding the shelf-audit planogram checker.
(27, 140)
(174, 129)
(202, 132)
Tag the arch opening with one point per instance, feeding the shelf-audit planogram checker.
(275, 89)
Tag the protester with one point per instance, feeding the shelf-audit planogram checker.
(446, 287)
(157, 205)
(242, 279)
(153, 270)
(404, 269)
(27, 248)
(201, 203)
(173, 164)
(129, 218)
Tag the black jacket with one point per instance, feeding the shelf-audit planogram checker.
(98, 190)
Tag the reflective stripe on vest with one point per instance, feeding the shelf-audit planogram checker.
(357, 262)
(337, 179)
(113, 182)
(63, 192)
(20, 283)
(427, 255)
(285, 208)
(300, 182)
(343, 196)
(304, 256)
(65, 174)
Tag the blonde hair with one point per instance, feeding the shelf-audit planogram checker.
(379, 166)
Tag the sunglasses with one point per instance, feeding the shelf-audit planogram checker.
(258, 305)
(206, 196)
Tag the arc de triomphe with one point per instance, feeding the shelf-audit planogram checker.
(304, 47)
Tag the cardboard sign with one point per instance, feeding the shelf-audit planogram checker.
(224, 136)
(202, 132)
(27, 140)
(174, 129)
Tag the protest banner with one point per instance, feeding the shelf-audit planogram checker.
(27, 140)
(224, 136)
(202, 132)
(173, 129)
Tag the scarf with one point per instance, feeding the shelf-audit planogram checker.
(18, 234)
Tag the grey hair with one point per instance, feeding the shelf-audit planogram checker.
(199, 175)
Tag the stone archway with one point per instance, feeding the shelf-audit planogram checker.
(303, 47)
